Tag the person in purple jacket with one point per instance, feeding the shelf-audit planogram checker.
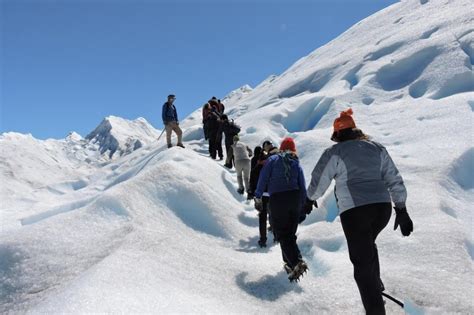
(283, 177)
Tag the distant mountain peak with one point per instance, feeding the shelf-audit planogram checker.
(115, 134)
(74, 136)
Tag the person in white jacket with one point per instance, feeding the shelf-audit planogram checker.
(241, 154)
(367, 182)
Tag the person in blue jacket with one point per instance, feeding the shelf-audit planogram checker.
(283, 177)
(171, 122)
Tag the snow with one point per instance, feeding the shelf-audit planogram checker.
(164, 231)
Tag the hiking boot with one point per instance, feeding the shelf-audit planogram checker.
(262, 243)
(240, 191)
(300, 269)
(249, 197)
(170, 145)
(180, 145)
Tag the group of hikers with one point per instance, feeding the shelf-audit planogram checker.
(367, 182)
(215, 125)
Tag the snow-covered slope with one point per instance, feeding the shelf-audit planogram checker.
(35, 170)
(164, 231)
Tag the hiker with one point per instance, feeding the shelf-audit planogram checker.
(206, 111)
(367, 181)
(241, 154)
(215, 134)
(230, 130)
(256, 154)
(253, 163)
(170, 121)
(215, 103)
(268, 149)
(283, 177)
(221, 106)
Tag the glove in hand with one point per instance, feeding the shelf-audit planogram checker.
(403, 220)
(308, 205)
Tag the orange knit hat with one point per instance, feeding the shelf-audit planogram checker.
(288, 144)
(344, 121)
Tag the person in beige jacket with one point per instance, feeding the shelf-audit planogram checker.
(241, 154)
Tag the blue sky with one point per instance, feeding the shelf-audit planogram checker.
(66, 64)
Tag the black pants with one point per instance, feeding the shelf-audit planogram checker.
(228, 144)
(361, 226)
(285, 208)
(215, 144)
(205, 129)
(262, 219)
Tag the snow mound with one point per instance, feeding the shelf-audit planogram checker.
(463, 169)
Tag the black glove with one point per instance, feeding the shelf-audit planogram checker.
(308, 205)
(403, 219)
(258, 204)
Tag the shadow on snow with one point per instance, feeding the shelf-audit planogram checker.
(269, 287)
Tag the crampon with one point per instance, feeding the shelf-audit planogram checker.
(298, 272)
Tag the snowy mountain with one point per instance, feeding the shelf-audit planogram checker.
(122, 136)
(164, 231)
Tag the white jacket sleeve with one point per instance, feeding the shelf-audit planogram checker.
(322, 175)
(393, 180)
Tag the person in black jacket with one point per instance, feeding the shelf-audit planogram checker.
(256, 155)
(206, 111)
(230, 130)
(214, 129)
(257, 151)
(268, 150)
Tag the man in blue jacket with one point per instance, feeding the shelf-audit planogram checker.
(170, 121)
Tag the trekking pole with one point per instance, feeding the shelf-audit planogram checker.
(160, 135)
(393, 299)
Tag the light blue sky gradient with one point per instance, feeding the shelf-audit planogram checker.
(66, 64)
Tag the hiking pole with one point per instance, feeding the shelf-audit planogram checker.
(160, 135)
(393, 299)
